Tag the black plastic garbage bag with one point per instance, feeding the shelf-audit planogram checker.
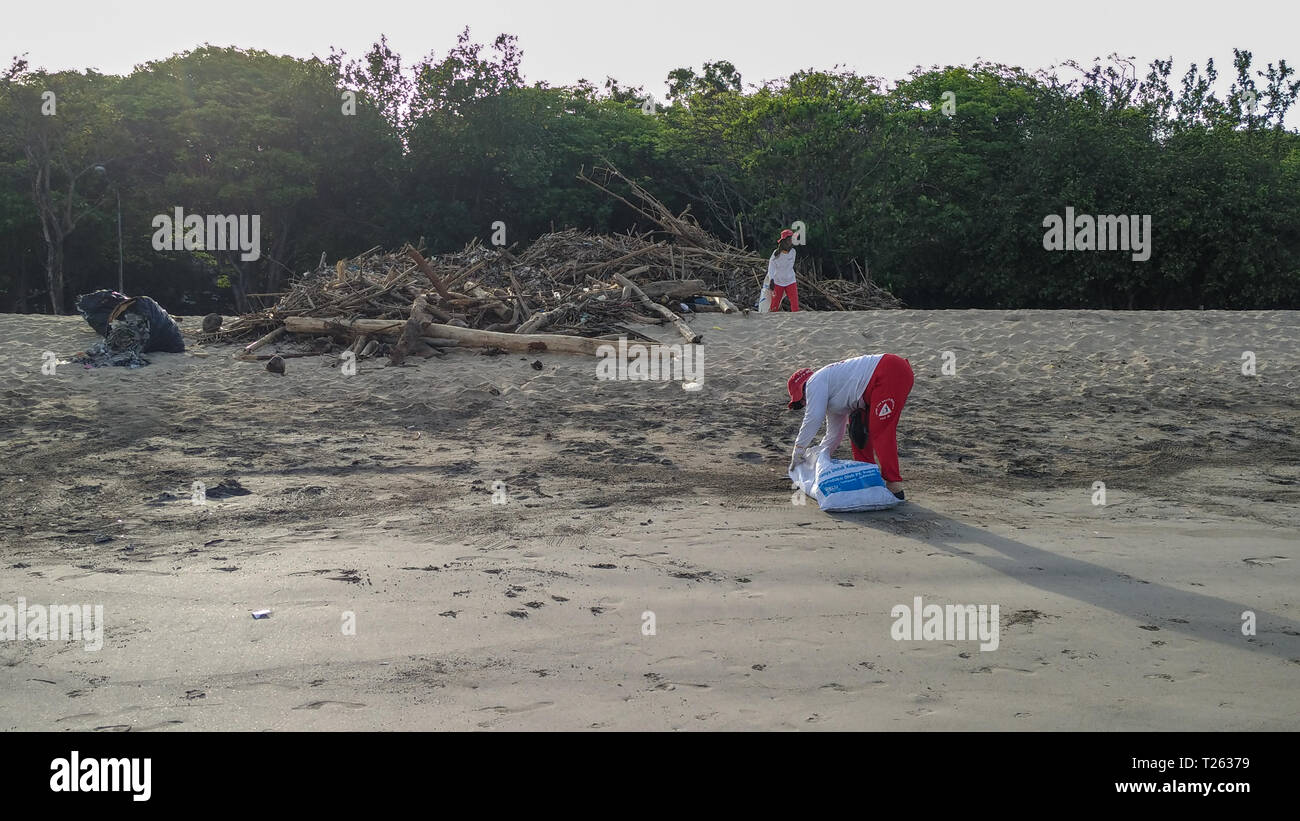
(97, 306)
(163, 334)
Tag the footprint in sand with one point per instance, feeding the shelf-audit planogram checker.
(527, 708)
(673, 685)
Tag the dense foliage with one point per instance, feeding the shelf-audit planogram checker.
(936, 186)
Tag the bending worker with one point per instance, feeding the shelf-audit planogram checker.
(866, 395)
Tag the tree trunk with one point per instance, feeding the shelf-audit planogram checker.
(21, 304)
(54, 273)
(278, 258)
(239, 284)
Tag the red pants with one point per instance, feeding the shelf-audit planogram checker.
(791, 290)
(885, 396)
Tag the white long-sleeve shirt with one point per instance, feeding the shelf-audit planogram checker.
(780, 268)
(831, 394)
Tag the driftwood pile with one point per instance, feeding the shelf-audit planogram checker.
(568, 291)
(738, 272)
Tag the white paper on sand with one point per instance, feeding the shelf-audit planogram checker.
(842, 484)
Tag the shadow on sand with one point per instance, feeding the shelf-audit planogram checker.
(1199, 615)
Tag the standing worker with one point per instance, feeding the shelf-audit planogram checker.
(866, 395)
(780, 270)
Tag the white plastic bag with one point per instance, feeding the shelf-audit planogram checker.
(765, 297)
(842, 484)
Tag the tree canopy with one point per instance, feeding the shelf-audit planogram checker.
(935, 186)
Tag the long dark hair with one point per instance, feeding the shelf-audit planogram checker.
(778, 248)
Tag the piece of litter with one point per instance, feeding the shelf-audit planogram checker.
(692, 386)
(261, 614)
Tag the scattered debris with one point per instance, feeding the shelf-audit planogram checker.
(563, 292)
(225, 489)
(131, 326)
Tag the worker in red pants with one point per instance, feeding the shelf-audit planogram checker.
(780, 271)
(864, 395)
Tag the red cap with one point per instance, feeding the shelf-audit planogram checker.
(795, 385)
(787, 233)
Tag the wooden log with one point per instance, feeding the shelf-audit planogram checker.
(540, 320)
(521, 343)
(467, 337)
(632, 272)
(678, 289)
(492, 302)
(682, 327)
(343, 327)
(519, 295)
(265, 340)
(410, 343)
(427, 270)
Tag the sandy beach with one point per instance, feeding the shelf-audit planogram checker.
(369, 503)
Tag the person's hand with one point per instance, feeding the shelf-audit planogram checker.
(797, 458)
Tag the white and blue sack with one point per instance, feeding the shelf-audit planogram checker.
(842, 484)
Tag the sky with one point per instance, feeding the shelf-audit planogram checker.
(638, 44)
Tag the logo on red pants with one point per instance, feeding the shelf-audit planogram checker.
(884, 409)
